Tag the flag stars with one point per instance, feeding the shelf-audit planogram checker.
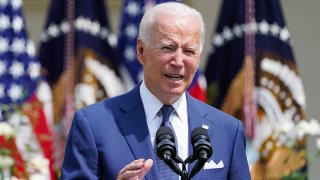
(15, 92)
(237, 30)
(34, 70)
(16, 69)
(263, 27)
(104, 33)
(130, 53)
(284, 34)
(17, 24)
(140, 76)
(87, 26)
(19, 70)
(16, 4)
(64, 27)
(275, 29)
(112, 39)
(80, 23)
(4, 3)
(53, 30)
(4, 45)
(251, 28)
(132, 9)
(83, 24)
(218, 40)
(131, 31)
(4, 22)
(95, 28)
(18, 46)
(148, 5)
(227, 34)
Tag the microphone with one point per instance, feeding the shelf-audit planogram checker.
(202, 149)
(165, 142)
(166, 149)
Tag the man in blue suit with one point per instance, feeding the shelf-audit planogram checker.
(115, 138)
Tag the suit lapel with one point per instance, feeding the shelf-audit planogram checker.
(133, 125)
(196, 117)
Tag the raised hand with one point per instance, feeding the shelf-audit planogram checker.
(136, 170)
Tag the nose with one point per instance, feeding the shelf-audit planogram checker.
(177, 58)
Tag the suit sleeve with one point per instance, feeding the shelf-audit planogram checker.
(81, 156)
(239, 169)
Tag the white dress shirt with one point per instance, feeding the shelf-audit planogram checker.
(178, 118)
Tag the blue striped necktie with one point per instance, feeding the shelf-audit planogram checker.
(164, 170)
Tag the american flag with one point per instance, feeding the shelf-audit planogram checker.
(22, 95)
(251, 62)
(19, 69)
(130, 67)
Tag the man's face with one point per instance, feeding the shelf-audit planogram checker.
(172, 58)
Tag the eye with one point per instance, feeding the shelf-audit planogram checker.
(189, 52)
(167, 49)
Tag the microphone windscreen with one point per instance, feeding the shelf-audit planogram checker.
(197, 132)
(164, 131)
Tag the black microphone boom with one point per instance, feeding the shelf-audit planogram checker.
(202, 149)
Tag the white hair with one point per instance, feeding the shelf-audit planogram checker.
(171, 8)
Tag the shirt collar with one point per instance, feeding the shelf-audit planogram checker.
(152, 104)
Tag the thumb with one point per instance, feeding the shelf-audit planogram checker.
(147, 166)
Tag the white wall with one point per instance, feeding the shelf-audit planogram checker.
(302, 20)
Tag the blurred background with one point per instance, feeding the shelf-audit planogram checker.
(301, 18)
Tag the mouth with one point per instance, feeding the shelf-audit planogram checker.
(174, 77)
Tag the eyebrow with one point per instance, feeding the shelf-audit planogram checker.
(170, 43)
(166, 42)
(191, 47)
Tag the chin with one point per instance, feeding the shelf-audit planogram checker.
(176, 91)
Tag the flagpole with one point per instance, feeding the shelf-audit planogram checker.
(249, 110)
(69, 65)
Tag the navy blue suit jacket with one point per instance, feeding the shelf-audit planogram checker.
(110, 134)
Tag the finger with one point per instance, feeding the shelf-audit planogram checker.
(131, 170)
(130, 175)
(134, 165)
(147, 166)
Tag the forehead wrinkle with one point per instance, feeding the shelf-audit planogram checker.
(181, 23)
(171, 34)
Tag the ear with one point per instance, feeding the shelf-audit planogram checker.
(140, 51)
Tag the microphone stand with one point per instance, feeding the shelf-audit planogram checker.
(185, 175)
(172, 163)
